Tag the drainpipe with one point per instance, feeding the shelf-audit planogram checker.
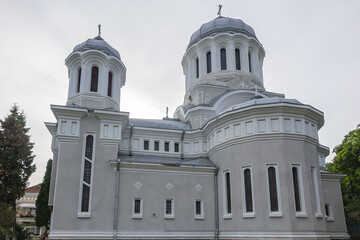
(216, 195)
(116, 199)
(182, 144)
(130, 139)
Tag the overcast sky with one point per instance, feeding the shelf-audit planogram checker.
(312, 54)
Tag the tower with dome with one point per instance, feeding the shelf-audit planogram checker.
(234, 162)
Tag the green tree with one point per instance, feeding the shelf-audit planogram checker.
(347, 161)
(42, 217)
(16, 159)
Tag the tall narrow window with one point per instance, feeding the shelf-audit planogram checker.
(166, 146)
(176, 147)
(87, 169)
(137, 207)
(249, 58)
(94, 79)
(156, 146)
(197, 67)
(110, 79)
(208, 62)
(296, 189)
(199, 209)
(248, 190)
(223, 58)
(169, 208)
(146, 144)
(227, 193)
(237, 59)
(78, 80)
(273, 189)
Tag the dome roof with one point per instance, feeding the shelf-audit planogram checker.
(98, 43)
(221, 25)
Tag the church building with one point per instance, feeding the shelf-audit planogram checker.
(235, 161)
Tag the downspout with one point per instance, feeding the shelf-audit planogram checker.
(216, 195)
(182, 144)
(130, 139)
(116, 199)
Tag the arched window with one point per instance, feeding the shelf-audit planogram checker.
(197, 67)
(223, 58)
(249, 57)
(227, 192)
(248, 190)
(237, 59)
(273, 189)
(78, 80)
(86, 183)
(94, 79)
(208, 62)
(110, 77)
(296, 189)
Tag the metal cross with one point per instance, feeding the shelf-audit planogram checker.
(219, 12)
(167, 112)
(99, 26)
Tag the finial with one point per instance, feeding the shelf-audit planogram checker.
(99, 26)
(167, 112)
(219, 12)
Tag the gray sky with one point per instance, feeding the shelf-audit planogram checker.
(312, 54)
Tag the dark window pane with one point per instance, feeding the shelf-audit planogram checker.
(85, 198)
(166, 146)
(137, 205)
(176, 147)
(156, 145)
(94, 79)
(87, 171)
(273, 189)
(79, 79)
(237, 59)
(168, 207)
(248, 193)
(89, 146)
(327, 210)
(109, 93)
(223, 58)
(249, 57)
(228, 192)
(296, 188)
(197, 68)
(208, 62)
(198, 207)
(146, 145)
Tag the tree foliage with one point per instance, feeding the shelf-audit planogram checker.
(42, 209)
(347, 161)
(16, 158)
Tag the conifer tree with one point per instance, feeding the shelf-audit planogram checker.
(16, 159)
(42, 217)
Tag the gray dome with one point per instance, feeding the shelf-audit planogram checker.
(221, 25)
(97, 44)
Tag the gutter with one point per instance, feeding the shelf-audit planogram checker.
(116, 207)
(130, 139)
(216, 196)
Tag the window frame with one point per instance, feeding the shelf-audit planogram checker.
(176, 147)
(78, 84)
(277, 213)
(86, 214)
(208, 62)
(197, 69)
(166, 146)
(227, 197)
(94, 80)
(200, 216)
(250, 62)
(110, 84)
(237, 59)
(134, 214)
(171, 215)
(148, 144)
(247, 214)
(223, 62)
(328, 212)
(157, 145)
(302, 212)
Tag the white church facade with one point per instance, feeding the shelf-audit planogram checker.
(235, 162)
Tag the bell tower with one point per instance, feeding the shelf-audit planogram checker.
(96, 75)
